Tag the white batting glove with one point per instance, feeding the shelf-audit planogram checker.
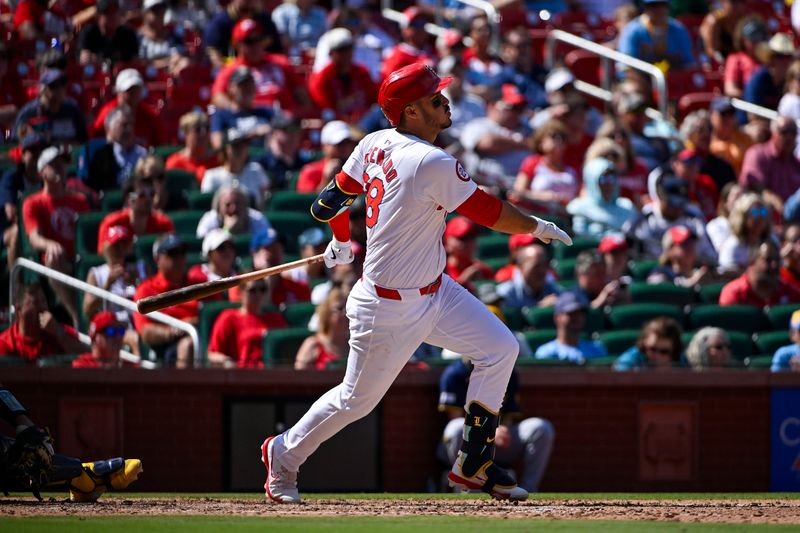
(338, 253)
(547, 231)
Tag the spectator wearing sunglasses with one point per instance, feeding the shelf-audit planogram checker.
(220, 253)
(659, 346)
(761, 284)
(416, 46)
(338, 140)
(751, 224)
(330, 343)
(138, 216)
(709, 348)
(66, 122)
(220, 33)
(197, 155)
(236, 339)
(600, 210)
(677, 262)
(107, 332)
(771, 167)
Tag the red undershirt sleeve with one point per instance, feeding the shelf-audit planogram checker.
(349, 184)
(481, 208)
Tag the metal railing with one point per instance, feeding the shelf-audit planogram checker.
(102, 294)
(749, 107)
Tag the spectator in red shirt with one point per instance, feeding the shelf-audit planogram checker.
(196, 156)
(12, 94)
(459, 244)
(761, 284)
(236, 339)
(515, 244)
(343, 89)
(106, 331)
(275, 82)
(338, 141)
(416, 45)
(172, 344)
(147, 126)
(139, 216)
(219, 250)
(702, 189)
(49, 217)
(36, 333)
(331, 343)
(790, 253)
(267, 250)
(614, 249)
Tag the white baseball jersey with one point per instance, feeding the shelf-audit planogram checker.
(410, 187)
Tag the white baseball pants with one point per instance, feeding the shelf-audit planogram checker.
(383, 335)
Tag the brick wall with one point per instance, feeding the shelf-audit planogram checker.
(173, 420)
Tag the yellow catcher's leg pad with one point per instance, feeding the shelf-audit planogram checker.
(100, 476)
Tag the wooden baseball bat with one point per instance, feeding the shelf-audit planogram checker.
(201, 290)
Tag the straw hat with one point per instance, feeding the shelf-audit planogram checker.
(780, 44)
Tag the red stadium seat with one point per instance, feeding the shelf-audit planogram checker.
(681, 82)
(585, 65)
(693, 102)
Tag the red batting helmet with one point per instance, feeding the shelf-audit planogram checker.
(407, 85)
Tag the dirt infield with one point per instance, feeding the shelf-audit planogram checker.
(719, 511)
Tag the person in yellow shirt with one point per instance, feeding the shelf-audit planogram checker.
(728, 142)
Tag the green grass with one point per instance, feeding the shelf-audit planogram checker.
(418, 524)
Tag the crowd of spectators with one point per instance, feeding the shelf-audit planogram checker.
(154, 144)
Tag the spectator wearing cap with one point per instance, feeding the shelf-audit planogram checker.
(701, 187)
(485, 73)
(520, 68)
(728, 142)
(236, 169)
(657, 38)
(677, 262)
(515, 244)
(765, 86)
(496, 145)
(311, 242)
(35, 332)
(530, 285)
(790, 253)
(718, 29)
(787, 358)
(545, 182)
(670, 207)
(450, 43)
(416, 44)
(107, 332)
(119, 274)
(615, 251)
(741, 64)
(789, 105)
(65, 122)
(267, 251)
(330, 344)
(338, 141)
(696, 132)
(771, 167)
(283, 156)
(460, 236)
(49, 217)
(709, 348)
(197, 155)
(600, 209)
(172, 345)
(751, 224)
(275, 83)
(464, 106)
(219, 36)
(652, 151)
(219, 252)
(242, 114)
(300, 24)
(343, 89)
(107, 38)
(230, 211)
(130, 90)
(106, 164)
(35, 19)
(160, 44)
(761, 284)
(560, 92)
(594, 283)
(658, 347)
(12, 93)
(22, 179)
(138, 216)
(569, 316)
(237, 336)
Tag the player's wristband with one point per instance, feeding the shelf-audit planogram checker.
(10, 408)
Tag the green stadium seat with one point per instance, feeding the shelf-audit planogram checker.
(758, 362)
(85, 262)
(291, 201)
(565, 269)
(579, 244)
(166, 150)
(634, 316)
(709, 294)
(179, 183)
(112, 201)
(768, 342)
(532, 361)
(186, 221)
(600, 362)
(56, 360)
(539, 337)
(491, 246)
(199, 200)
(779, 315)
(10, 360)
(86, 232)
(496, 263)
(290, 225)
(744, 318)
(542, 318)
(242, 244)
(298, 314)
(642, 268)
(618, 341)
(209, 312)
(667, 293)
(281, 345)
(741, 343)
(514, 319)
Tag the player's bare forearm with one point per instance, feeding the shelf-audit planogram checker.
(513, 221)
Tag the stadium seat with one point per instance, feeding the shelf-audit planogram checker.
(730, 317)
(86, 232)
(579, 244)
(290, 201)
(514, 318)
(298, 314)
(634, 316)
(281, 345)
(209, 312)
(112, 201)
(180, 182)
(199, 200)
(532, 361)
(642, 268)
(709, 294)
(56, 360)
(769, 341)
(694, 102)
(780, 315)
(496, 263)
(491, 246)
(166, 150)
(741, 343)
(565, 269)
(186, 221)
(86, 261)
(539, 337)
(10, 360)
(618, 341)
(600, 362)
(586, 66)
(667, 293)
(290, 225)
(758, 362)
(542, 318)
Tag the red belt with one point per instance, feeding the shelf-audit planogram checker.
(393, 294)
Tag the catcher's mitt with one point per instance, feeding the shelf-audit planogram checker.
(30, 459)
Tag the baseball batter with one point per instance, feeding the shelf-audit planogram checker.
(403, 298)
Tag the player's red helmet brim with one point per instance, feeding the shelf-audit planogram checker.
(407, 85)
